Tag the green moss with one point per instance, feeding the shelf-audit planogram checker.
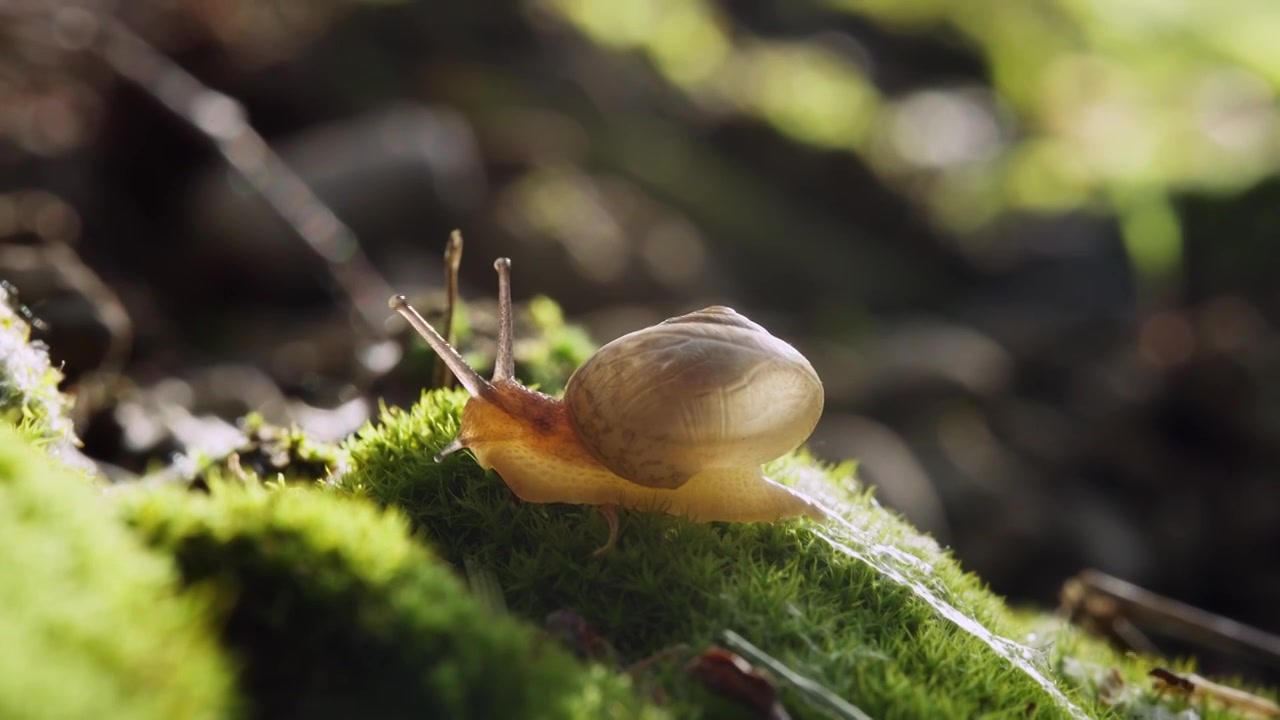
(29, 396)
(873, 611)
(336, 612)
(270, 453)
(91, 624)
(823, 613)
(1118, 679)
(547, 359)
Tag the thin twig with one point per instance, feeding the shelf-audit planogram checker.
(1194, 686)
(452, 259)
(1109, 600)
(221, 118)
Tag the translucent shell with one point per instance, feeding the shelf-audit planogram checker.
(710, 389)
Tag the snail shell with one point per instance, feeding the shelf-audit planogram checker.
(704, 390)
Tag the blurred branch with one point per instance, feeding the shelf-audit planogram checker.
(221, 118)
(1110, 603)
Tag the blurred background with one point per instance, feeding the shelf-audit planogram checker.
(1030, 247)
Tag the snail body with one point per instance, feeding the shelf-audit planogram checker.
(677, 417)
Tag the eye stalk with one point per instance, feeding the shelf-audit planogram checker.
(504, 367)
(470, 379)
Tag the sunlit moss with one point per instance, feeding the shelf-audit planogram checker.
(830, 617)
(29, 395)
(91, 623)
(857, 623)
(334, 611)
(268, 453)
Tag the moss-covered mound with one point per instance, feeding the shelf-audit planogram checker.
(867, 611)
(29, 397)
(91, 623)
(824, 611)
(335, 612)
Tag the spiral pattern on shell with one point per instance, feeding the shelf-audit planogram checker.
(703, 390)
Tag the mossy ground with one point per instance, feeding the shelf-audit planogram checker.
(268, 453)
(333, 608)
(91, 623)
(29, 396)
(336, 612)
(828, 616)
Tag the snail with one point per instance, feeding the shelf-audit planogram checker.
(677, 417)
